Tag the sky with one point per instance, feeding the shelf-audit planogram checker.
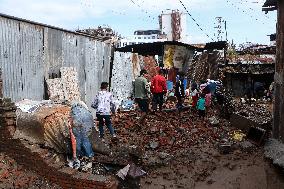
(245, 20)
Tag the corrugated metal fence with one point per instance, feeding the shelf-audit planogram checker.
(31, 52)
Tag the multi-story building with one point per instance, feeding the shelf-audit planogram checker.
(172, 28)
(173, 25)
(142, 36)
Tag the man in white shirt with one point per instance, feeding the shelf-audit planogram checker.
(104, 106)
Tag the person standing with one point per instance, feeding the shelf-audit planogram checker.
(141, 91)
(179, 90)
(194, 96)
(104, 106)
(208, 98)
(158, 89)
(201, 106)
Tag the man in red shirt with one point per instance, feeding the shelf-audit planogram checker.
(158, 88)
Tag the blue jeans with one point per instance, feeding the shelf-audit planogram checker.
(83, 144)
(104, 119)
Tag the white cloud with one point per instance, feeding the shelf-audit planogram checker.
(127, 16)
(73, 13)
(196, 39)
(68, 10)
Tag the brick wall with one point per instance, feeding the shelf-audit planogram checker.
(35, 158)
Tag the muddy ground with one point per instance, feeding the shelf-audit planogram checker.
(209, 169)
(177, 150)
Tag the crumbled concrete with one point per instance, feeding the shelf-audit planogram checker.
(274, 150)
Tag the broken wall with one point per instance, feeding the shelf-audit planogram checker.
(126, 67)
(241, 77)
(65, 88)
(205, 66)
(31, 53)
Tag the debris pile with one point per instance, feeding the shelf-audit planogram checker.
(150, 66)
(255, 112)
(205, 66)
(18, 177)
(169, 133)
(66, 87)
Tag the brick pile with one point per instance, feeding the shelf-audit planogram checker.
(151, 66)
(39, 160)
(169, 132)
(7, 115)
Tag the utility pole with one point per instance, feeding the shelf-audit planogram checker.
(226, 30)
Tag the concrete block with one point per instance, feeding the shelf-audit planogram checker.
(256, 135)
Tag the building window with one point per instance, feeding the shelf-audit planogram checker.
(144, 37)
(124, 44)
(139, 37)
(149, 37)
(153, 37)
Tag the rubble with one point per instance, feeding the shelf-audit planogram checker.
(247, 146)
(274, 150)
(166, 138)
(167, 133)
(13, 175)
(256, 112)
(213, 120)
(65, 88)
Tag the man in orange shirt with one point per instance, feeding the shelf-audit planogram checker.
(158, 88)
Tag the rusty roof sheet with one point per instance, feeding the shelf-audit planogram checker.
(269, 5)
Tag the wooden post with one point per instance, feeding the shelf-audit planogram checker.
(278, 123)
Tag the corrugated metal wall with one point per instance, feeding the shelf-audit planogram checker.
(29, 53)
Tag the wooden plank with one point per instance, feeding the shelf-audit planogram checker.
(278, 125)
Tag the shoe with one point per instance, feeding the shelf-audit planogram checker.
(101, 136)
(76, 164)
